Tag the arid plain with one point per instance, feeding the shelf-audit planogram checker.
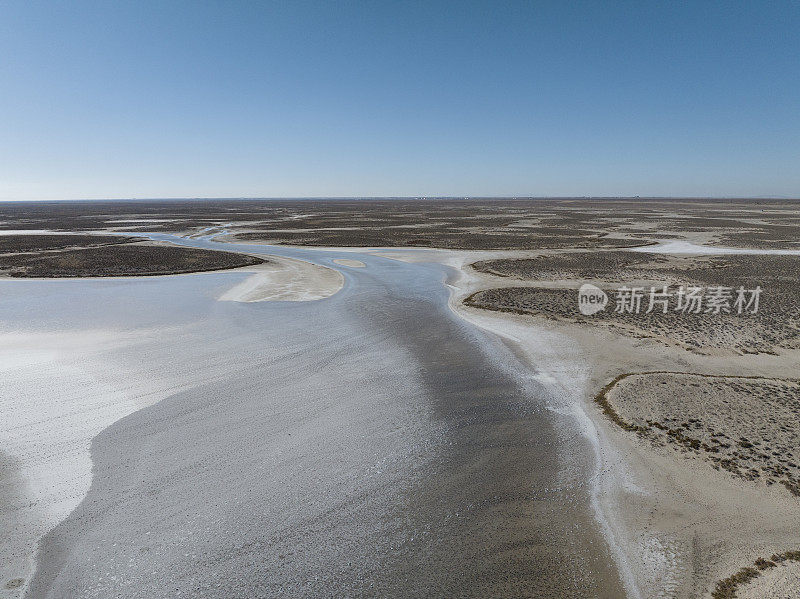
(678, 429)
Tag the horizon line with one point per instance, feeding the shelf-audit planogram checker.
(413, 197)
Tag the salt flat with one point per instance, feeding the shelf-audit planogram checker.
(370, 443)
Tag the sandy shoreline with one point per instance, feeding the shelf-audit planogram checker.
(674, 524)
(677, 523)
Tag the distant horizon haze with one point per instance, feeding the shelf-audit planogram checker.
(420, 198)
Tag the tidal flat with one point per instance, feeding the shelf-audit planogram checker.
(368, 444)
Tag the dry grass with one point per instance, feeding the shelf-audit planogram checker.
(120, 260)
(728, 587)
(480, 223)
(38, 243)
(775, 326)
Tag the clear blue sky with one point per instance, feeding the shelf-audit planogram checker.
(185, 99)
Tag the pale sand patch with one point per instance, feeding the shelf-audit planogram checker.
(686, 247)
(780, 582)
(719, 419)
(287, 280)
(350, 263)
(32, 232)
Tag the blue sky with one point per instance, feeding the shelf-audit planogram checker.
(232, 99)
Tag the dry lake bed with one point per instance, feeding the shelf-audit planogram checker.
(197, 403)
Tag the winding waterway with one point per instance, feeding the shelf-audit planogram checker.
(371, 444)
